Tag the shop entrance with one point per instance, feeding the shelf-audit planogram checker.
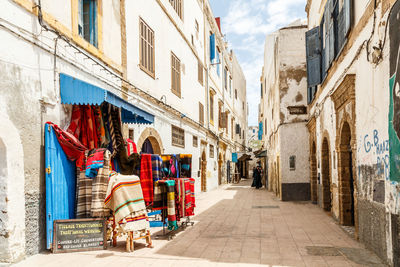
(313, 162)
(203, 172)
(326, 176)
(147, 148)
(346, 180)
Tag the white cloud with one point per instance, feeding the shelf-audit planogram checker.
(247, 23)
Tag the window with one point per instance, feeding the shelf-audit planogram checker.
(200, 72)
(196, 26)
(212, 108)
(201, 113)
(230, 85)
(195, 141)
(243, 105)
(178, 6)
(218, 65)
(261, 90)
(325, 42)
(232, 123)
(235, 93)
(146, 48)
(175, 75)
(131, 134)
(192, 40)
(87, 25)
(211, 151)
(226, 78)
(292, 163)
(178, 136)
(265, 126)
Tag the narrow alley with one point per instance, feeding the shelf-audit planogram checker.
(237, 224)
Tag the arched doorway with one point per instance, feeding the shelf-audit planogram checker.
(150, 140)
(346, 179)
(203, 172)
(326, 176)
(220, 160)
(147, 147)
(313, 178)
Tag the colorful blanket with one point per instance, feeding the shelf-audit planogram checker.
(190, 206)
(125, 199)
(160, 196)
(92, 192)
(95, 161)
(170, 189)
(72, 147)
(146, 178)
(156, 163)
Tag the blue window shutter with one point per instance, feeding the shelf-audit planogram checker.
(313, 51)
(347, 10)
(218, 65)
(212, 47)
(327, 17)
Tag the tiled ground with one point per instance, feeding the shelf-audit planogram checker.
(242, 226)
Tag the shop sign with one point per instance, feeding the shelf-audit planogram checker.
(79, 235)
(234, 157)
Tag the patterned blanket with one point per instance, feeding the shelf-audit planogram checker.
(92, 192)
(125, 199)
(146, 178)
(156, 163)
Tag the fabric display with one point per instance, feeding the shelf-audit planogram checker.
(170, 166)
(146, 178)
(91, 191)
(125, 198)
(95, 161)
(130, 147)
(185, 163)
(170, 189)
(156, 163)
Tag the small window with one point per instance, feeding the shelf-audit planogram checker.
(196, 25)
(212, 108)
(230, 85)
(195, 141)
(192, 40)
(201, 113)
(226, 78)
(243, 105)
(200, 72)
(178, 6)
(211, 151)
(87, 26)
(292, 163)
(146, 48)
(131, 134)
(175, 75)
(178, 136)
(235, 93)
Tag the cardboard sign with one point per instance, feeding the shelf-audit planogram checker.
(79, 235)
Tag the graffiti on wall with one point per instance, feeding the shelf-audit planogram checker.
(394, 86)
(377, 148)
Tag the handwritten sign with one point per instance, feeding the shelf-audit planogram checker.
(79, 235)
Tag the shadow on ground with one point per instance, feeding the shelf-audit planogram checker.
(253, 227)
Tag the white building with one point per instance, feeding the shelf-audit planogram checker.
(153, 54)
(352, 58)
(283, 111)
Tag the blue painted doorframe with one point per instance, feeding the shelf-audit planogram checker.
(60, 183)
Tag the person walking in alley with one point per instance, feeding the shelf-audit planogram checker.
(257, 177)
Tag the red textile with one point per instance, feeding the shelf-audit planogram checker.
(83, 125)
(146, 178)
(190, 210)
(72, 147)
(131, 146)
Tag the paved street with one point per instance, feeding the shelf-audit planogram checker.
(242, 225)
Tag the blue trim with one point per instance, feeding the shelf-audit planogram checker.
(76, 92)
(212, 47)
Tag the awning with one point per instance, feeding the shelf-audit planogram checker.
(245, 157)
(76, 92)
(261, 154)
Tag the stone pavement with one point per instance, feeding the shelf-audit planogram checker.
(237, 225)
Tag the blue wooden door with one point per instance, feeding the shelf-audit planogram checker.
(60, 183)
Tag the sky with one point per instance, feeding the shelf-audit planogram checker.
(246, 24)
